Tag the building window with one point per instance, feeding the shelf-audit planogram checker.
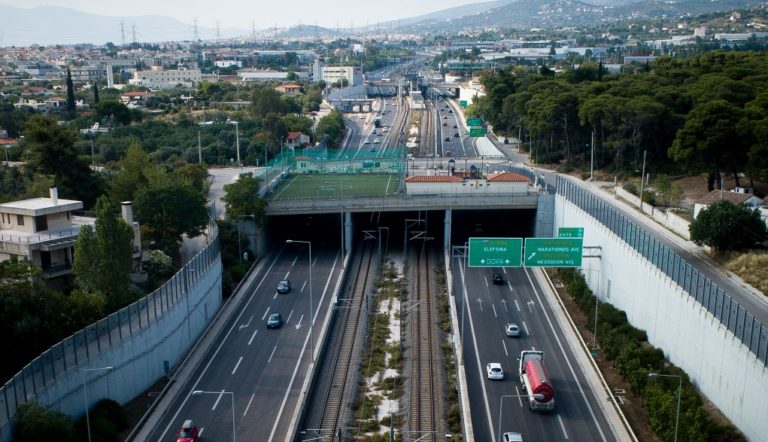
(20, 220)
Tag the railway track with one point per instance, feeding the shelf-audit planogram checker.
(330, 410)
(426, 417)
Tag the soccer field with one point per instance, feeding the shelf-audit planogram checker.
(335, 186)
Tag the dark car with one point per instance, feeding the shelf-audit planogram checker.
(497, 278)
(188, 432)
(456, 135)
(455, 126)
(447, 138)
(275, 320)
(284, 286)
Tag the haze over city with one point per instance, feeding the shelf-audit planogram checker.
(241, 13)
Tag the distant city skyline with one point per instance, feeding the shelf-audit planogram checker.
(244, 14)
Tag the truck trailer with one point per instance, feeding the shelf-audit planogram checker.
(534, 379)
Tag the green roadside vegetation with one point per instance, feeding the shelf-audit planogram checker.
(635, 358)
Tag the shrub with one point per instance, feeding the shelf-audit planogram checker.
(631, 188)
(34, 423)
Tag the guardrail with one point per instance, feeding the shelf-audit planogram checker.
(744, 326)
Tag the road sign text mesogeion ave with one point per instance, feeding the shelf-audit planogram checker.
(553, 252)
(570, 232)
(495, 252)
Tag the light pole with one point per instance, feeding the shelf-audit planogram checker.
(237, 141)
(232, 396)
(679, 390)
(85, 396)
(311, 308)
(538, 397)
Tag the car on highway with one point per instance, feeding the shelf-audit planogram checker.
(494, 371)
(275, 320)
(284, 286)
(367, 141)
(512, 330)
(455, 126)
(447, 153)
(497, 278)
(447, 138)
(456, 135)
(512, 436)
(373, 131)
(445, 117)
(188, 432)
(445, 123)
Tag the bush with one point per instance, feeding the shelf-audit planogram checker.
(34, 423)
(649, 197)
(631, 188)
(107, 418)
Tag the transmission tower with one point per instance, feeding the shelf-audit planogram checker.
(253, 29)
(122, 33)
(196, 36)
(133, 33)
(218, 31)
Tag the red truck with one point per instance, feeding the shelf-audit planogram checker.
(533, 377)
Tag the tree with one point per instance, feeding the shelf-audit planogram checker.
(134, 171)
(34, 423)
(166, 211)
(332, 126)
(114, 112)
(104, 257)
(70, 93)
(242, 198)
(51, 150)
(95, 93)
(726, 226)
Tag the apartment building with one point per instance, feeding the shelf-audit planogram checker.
(42, 230)
(159, 78)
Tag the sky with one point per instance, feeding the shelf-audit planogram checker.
(265, 13)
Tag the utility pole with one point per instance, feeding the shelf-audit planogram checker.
(642, 181)
(592, 158)
(199, 149)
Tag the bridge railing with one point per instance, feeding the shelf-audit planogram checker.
(745, 327)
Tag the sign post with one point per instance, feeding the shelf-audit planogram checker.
(495, 252)
(553, 252)
(476, 132)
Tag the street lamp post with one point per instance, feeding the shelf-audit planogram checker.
(311, 308)
(85, 396)
(679, 390)
(538, 397)
(232, 396)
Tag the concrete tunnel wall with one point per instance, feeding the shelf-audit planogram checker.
(719, 365)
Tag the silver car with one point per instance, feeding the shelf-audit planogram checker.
(512, 330)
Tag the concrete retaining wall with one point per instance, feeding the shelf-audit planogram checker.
(718, 363)
(666, 218)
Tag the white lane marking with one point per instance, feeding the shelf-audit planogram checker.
(485, 278)
(533, 348)
(519, 396)
(286, 275)
(252, 336)
(517, 305)
(504, 303)
(249, 404)
(314, 262)
(530, 305)
(247, 324)
(251, 297)
(218, 399)
(303, 348)
(509, 284)
(289, 317)
(477, 358)
(504, 344)
(201, 431)
(298, 326)
(567, 360)
(562, 427)
(480, 301)
(275, 297)
(493, 306)
(302, 287)
(265, 313)
(237, 365)
(526, 328)
(294, 261)
(273, 353)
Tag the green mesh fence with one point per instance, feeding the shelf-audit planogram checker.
(318, 160)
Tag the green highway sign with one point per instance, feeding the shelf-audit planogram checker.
(474, 121)
(495, 252)
(553, 252)
(570, 232)
(476, 132)
(463, 103)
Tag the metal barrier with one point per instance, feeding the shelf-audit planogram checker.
(75, 351)
(745, 327)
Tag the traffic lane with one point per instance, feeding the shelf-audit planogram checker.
(570, 414)
(576, 403)
(222, 365)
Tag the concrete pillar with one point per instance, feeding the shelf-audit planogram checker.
(260, 237)
(347, 231)
(447, 233)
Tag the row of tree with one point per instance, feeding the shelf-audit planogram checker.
(707, 113)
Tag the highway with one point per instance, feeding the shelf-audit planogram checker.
(577, 415)
(263, 368)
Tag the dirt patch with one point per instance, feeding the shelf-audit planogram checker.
(634, 411)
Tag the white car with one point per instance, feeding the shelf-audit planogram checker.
(512, 330)
(512, 437)
(494, 371)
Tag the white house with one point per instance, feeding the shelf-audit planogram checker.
(734, 197)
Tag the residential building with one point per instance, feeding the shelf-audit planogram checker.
(159, 78)
(288, 89)
(352, 74)
(741, 196)
(296, 139)
(42, 230)
(135, 98)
